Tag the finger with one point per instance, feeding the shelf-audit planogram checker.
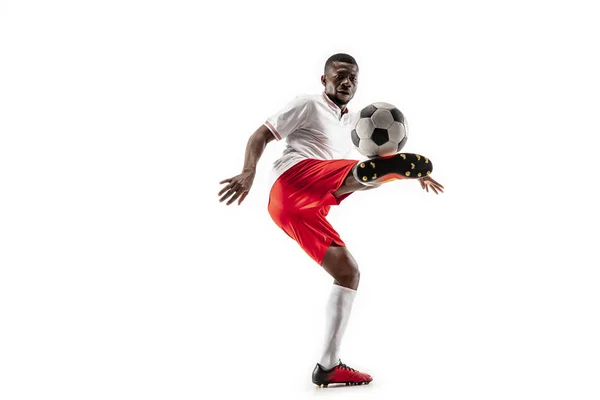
(242, 198)
(433, 188)
(437, 183)
(237, 187)
(440, 188)
(227, 195)
(422, 184)
(234, 198)
(225, 180)
(427, 188)
(226, 188)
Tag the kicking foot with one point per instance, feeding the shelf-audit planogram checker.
(398, 166)
(341, 373)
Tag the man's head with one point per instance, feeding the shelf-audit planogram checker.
(340, 78)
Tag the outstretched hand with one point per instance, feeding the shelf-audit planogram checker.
(428, 182)
(238, 187)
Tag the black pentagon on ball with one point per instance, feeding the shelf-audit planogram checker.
(398, 116)
(380, 136)
(402, 143)
(355, 138)
(368, 111)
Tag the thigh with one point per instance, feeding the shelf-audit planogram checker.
(309, 229)
(310, 184)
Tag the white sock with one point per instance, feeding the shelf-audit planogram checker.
(337, 314)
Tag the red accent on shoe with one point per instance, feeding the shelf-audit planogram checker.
(341, 373)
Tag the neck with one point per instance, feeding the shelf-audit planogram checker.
(336, 102)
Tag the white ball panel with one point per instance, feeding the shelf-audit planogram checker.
(396, 132)
(382, 119)
(368, 147)
(387, 149)
(364, 128)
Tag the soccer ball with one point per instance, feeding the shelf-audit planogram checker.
(380, 130)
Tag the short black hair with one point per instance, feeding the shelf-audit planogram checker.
(340, 57)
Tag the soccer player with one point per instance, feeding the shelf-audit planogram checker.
(311, 176)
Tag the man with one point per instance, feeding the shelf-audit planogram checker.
(311, 176)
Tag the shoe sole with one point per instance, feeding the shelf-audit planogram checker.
(398, 166)
(324, 385)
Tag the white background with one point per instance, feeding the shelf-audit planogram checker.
(123, 277)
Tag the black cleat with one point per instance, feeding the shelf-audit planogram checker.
(398, 166)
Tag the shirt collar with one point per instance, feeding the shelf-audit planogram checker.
(334, 106)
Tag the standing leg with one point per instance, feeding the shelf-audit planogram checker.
(340, 264)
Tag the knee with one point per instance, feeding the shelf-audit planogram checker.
(349, 276)
(340, 264)
(349, 279)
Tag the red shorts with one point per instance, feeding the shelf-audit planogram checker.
(300, 200)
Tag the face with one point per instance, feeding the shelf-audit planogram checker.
(340, 81)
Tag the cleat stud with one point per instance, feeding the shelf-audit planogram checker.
(418, 157)
(426, 160)
(419, 174)
(403, 156)
(372, 164)
(407, 173)
(362, 165)
(365, 178)
(412, 166)
(428, 172)
(374, 176)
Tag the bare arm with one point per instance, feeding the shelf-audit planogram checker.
(256, 146)
(239, 185)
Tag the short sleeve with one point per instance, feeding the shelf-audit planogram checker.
(290, 118)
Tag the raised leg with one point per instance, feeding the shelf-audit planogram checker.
(399, 166)
(351, 185)
(373, 173)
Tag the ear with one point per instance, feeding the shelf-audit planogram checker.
(323, 80)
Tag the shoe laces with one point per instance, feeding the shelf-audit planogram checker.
(344, 366)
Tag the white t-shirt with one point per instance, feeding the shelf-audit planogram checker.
(313, 127)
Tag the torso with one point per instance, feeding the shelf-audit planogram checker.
(325, 135)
